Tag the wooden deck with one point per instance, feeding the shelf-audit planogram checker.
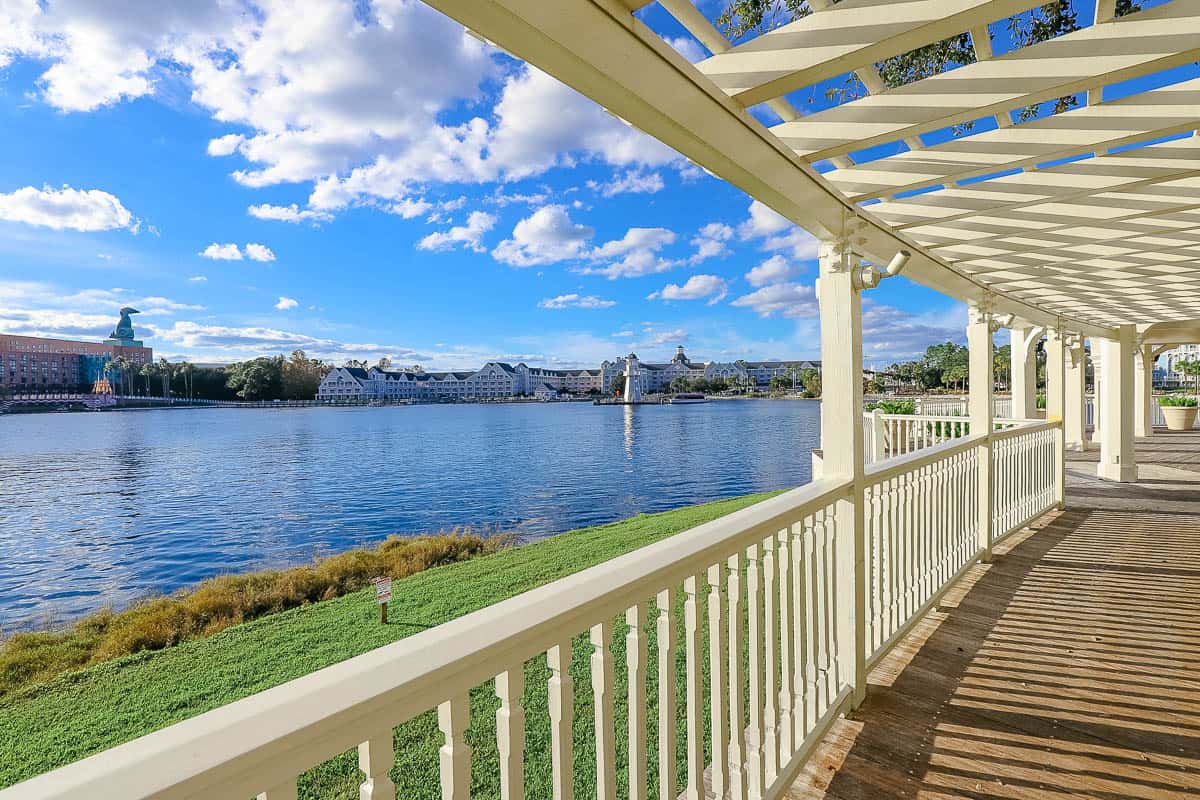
(1067, 668)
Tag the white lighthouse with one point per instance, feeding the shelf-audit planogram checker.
(633, 380)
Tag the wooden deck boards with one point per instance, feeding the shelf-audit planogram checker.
(1067, 668)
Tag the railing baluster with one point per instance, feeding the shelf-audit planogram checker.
(602, 697)
(800, 639)
(737, 678)
(376, 757)
(561, 691)
(454, 717)
(694, 688)
(510, 732)
(718, 688)
(770, 664)
(635, 661)
(666, 696)
(284, 791)
(787, 743)
(754, 642)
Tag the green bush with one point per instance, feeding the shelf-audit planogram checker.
(1177, 401)
(893, 406)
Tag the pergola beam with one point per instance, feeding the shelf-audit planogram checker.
(600, 49)
(1168, 111)
(843, 38)
(1136, 45)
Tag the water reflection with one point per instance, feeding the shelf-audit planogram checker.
(100, 509)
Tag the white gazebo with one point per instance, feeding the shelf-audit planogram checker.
(1076, 227)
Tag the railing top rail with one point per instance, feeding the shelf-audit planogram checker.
(1023, 426)
(239, 748)
(921, 417)
(898, 465)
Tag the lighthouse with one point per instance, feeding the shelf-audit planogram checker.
(633, 380)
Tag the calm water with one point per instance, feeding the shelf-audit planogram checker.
(100, 509)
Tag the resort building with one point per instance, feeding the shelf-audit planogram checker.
(1169, 374)
(35, 364)
(494, 380)
(658, 377)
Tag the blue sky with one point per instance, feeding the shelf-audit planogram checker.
(363, 180)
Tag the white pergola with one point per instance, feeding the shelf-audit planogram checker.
(1077, 225)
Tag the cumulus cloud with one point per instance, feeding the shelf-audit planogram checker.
(67, 209)
(710, 242)
(697, 287)
(287, 303)
(198, 279)
(631, 182)
(892, 334)
(633, 255)
(777, 233)
(576, 301)
(547, 236)
(688, 47)
(231, 252)
(32, 308)
(222, 252)
(259, 252)
(225, 145)
(469, 235)
(775, 269)
(790, 300)
(292, 213)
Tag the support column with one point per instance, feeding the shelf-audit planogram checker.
(1056, 404)
(1022, 352)
(1143, 390)
(979, 406)
(1117, 460)
(842, 446)
(1096, 355)
(1075, 410)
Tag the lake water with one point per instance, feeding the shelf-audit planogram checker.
(101, 509)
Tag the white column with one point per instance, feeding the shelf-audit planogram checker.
(1056, 401)
(1117, 461)
(1143, 390)
(1097, 359)
(979, 406)
(1075, 411)
(1024, 370)
(842, 447)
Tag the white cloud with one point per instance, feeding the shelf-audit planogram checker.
(198, 279)
(576, 301)
(31, 308)
(259, 252)
(688, 47)
(67, 209)
(710, 242)
(632, 182)
(697, 287)
(636, 254)
(623, 335)
(547, 236)
(292, 213)
(286, 304)
(786, 299)
(778, 233)
(221, 252)
(408, 208)
(892, 334)
(775, 269)
(225, 145)
(231, 252)
(470, 235)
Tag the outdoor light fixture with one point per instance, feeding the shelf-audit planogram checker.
(898, 263)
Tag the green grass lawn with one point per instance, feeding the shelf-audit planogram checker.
(86, 712)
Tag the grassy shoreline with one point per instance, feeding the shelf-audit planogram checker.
(85, 712)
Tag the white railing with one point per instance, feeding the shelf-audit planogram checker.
(756, 613)
(892, 435)
(946, 405)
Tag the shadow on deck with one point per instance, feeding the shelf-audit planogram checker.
(1067, 668)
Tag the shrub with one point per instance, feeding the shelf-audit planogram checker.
(1177, 401)
(894, 407)
(218, 603)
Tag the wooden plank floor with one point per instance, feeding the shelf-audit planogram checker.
(1067, 668)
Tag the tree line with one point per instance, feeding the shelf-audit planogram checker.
(263, 378)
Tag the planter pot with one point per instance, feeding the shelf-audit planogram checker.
(1180, 418)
